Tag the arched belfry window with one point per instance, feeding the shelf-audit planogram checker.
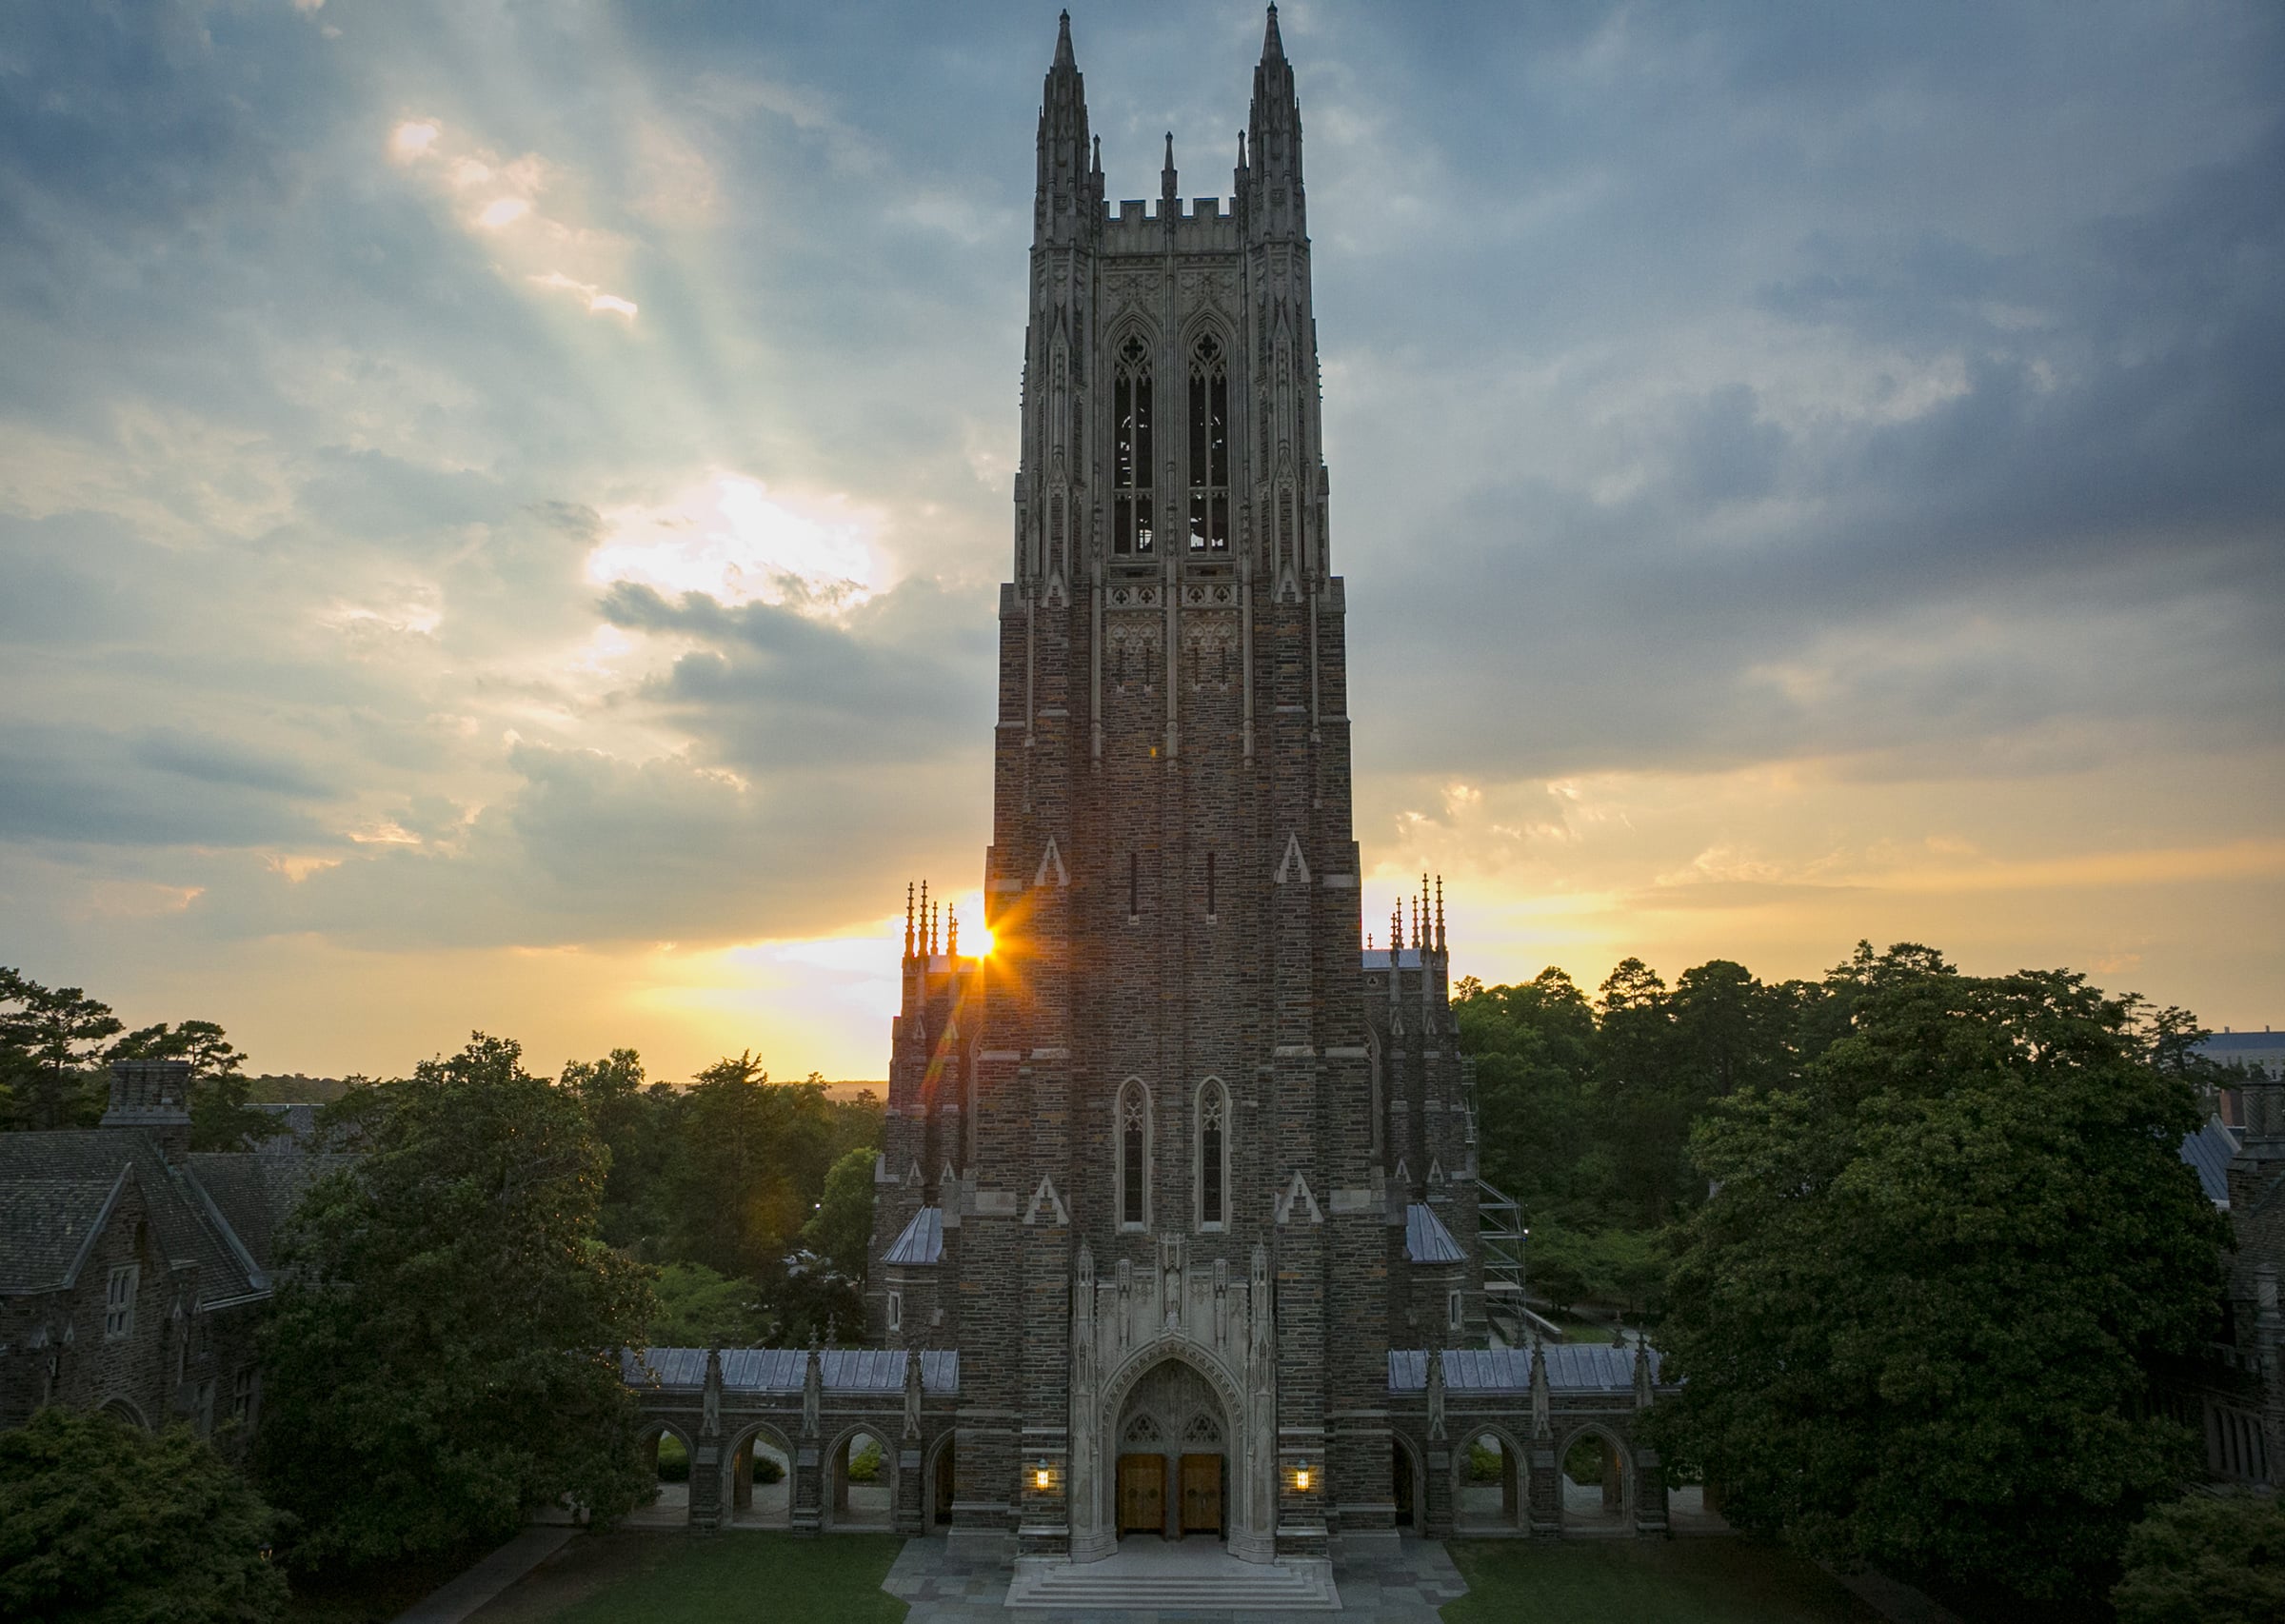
(1131, 522)
(1213, 1165)
(1209, 448)
(1133, 1168)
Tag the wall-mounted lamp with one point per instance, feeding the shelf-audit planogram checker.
(1301, 1477)
(1042, 1475)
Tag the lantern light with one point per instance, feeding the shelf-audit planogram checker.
(1042, 1475)
(1301, 1475)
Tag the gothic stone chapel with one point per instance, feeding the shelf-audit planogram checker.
(1178, 1180)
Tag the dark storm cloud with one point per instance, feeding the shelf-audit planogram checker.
(58, 785)
(908, 681)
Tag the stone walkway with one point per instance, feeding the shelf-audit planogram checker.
(1390, 1582)
(452, 1602)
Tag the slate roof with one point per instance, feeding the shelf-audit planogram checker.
(187, 1224)
(781, 1370)
(47, 1227)
(1427, 1240)
(297, 1129)
(1572, 1367)
(1377, 957)
(922, 1241)
(255, 1192)
(2208, 1151)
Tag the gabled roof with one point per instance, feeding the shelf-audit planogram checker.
(781, 1370)
(47, 1227)
(2208, 1151)
(255, 1193)
(1377, 957)
(187, 1224)
(922, 1241)
(1427, 1240)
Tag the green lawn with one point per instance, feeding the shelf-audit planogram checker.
(1645, 1582)
(675, 1578)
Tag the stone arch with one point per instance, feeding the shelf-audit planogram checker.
(1408, 1485)
(938, 1463)
(649, 1430)
(1474, 1511)
(1617, 1507)
(1109, 1412)
(739, 1491)
(1173, 1437)
(834, 1501)
(126, 1410)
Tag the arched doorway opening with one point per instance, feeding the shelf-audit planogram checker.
(667, 1452)
(860, 1480)
(759, 1492)
(1173, 1476)
(125, 1410)
(939, 1480)
(1596, 1489)
(1488, 1489)
(1406, 1485)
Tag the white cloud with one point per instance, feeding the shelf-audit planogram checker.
(731, 539)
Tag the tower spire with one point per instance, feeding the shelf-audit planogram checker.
(1067, 198)
(1273, 47)
(1274, 128)
(1169, 185)
(907, 919)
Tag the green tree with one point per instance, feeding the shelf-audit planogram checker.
(2206, 1559)
(51, 1041)
(1914, 1322)
(750, 1161)
(220, 1117)
(842, 1227)
(443, 1351)
(101, 1520)
(635, 1124)
(698, 1308)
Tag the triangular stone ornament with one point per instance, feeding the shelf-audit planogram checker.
(1051, 867)
(1403, 1174)
(1293, 865)
(1057, 598)
(912, 1173)
(1047, 1205)
(948, 1180)
(1436, 1172)
(1297, 1196)
(1289, 590)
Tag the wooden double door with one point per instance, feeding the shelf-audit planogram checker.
(1143, 1487)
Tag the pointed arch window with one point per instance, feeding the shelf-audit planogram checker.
(1209, 448)
(1212, 1155)
(1133, 1168)
(1131, 523)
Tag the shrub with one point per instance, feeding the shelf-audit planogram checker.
(674, 1461)
(2206, 1559)
(864, 1464)
(766, 1468)
(1483, 1463)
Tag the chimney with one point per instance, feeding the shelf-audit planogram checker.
(153, 1095)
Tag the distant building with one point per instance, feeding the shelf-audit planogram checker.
(133, 1269)
(2235, 1395)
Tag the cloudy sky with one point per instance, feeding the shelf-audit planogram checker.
(500, 505)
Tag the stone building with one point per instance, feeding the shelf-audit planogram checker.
(133, 1268)
(1184, 1171)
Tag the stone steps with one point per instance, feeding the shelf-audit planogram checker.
(1222, 1585)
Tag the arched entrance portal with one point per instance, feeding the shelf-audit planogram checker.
(1174, 1450)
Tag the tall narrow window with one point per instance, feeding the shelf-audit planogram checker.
(1209, 448)
(119, 1303)
(1134, 1155)
(1212, 1155)
(1131, 450)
